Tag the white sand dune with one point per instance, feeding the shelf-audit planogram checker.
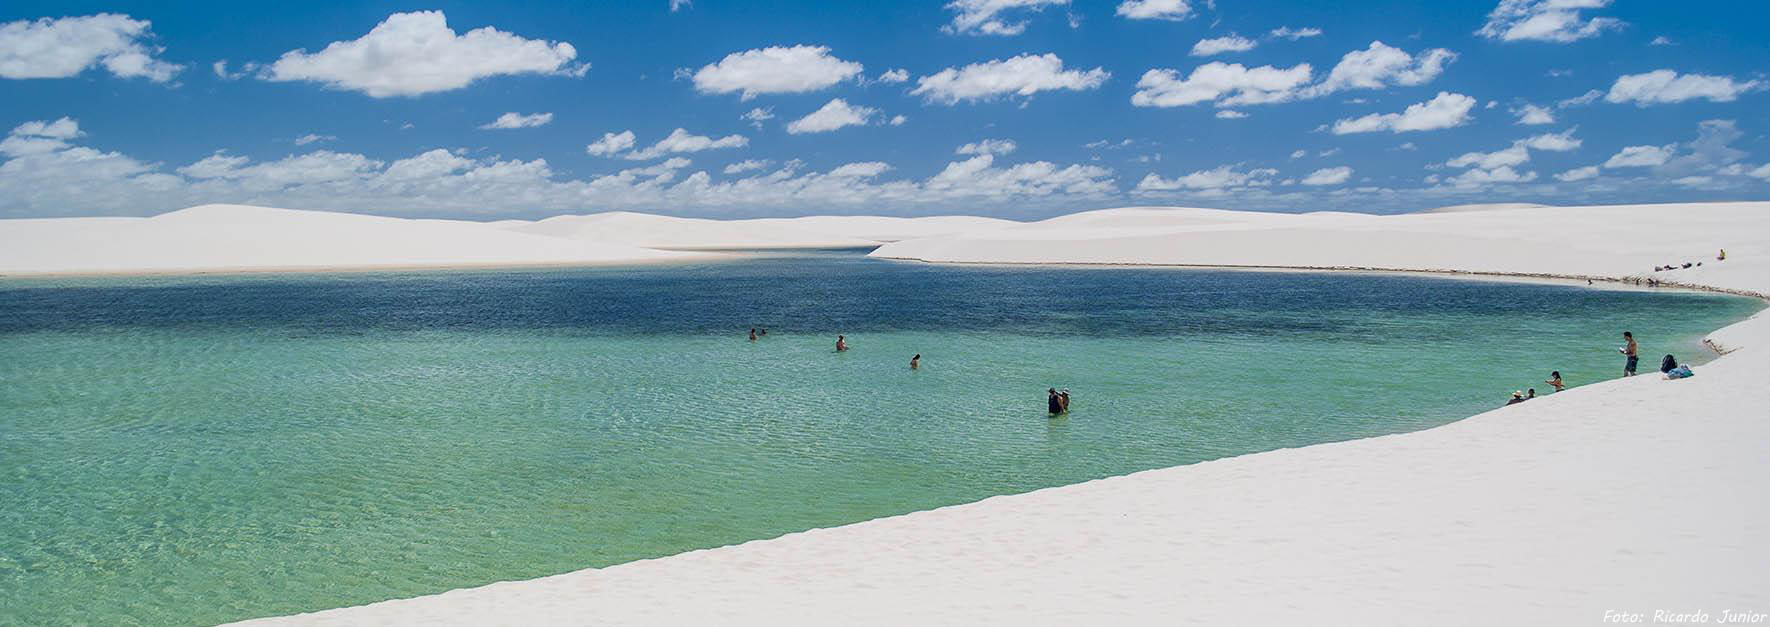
(1632, 495)
(242, 238)
(654, 231)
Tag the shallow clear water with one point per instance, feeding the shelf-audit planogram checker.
(201, 449)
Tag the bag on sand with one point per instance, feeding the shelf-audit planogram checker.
(1680, 372)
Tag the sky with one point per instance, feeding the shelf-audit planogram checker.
(1015, 108)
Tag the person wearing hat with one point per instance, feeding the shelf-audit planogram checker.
(1517, 397)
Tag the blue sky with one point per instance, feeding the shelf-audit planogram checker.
(1017, 108)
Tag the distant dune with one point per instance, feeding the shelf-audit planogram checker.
(653, 231)
(1495, 206)
(228, 238)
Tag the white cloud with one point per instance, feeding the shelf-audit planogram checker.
(987, 147)
(65, 47)
(1763, 172)
(894, 76)
(1229, 43)
(1023, 75)
(677, 5)
(1293, 34)
(1172, 10)
(984, 17)
(1446, 110)
(978, 176)
(1530, 115)
(835, 114)
(1639, 156)
(518, 120)
(1517, 154)
(1663, 86)
(1661, 40)
(1478, 177)
(221, 71)
(1223, 177)
(1299, 153)
(611, 143)
(39, 137)
(1328, 176)
(1545, 20)
(1230, 114)
(64, 128)
(747, 165)
(1227, 83)
(1578, 174)
(1380, 65)
(681, 141)
(1709, 152)
(323, 166)
(774, 70)
(410, 54)
(311, 138)
(1581, 100)
(898, 120)
(1552, 142)
(757, 116)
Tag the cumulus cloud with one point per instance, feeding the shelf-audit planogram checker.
(898, 120)
(1171, 10)
(1546, 20)
(66, 178)
(1517, 154)
(1665, 86)
(1328, 176)
(518, 120)
(1220, 178)
(1232, 84)
(1530, 115)
(1578, 174)
(1293, 34)
(985, 17)
(311, 138)
(1639, 156)
(1446, 110)
(893, 76)
(1219, 45)
(1581, 100)
(611, 143)
(678, 5)
(1228, 84)
(987, 147)
(1023, 75)
(774, 70)
(682, 141)
(747, 165)
(65, 47)
(757, 116)
(1230, 114)
(1552, 142)
(411, 54)
(1381, 65)
(835, 114)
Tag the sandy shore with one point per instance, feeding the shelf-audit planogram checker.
(1632, 496)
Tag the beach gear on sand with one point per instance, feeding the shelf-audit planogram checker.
(1680, 372)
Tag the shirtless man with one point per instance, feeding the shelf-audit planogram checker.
(916, 362)
(1631, 352)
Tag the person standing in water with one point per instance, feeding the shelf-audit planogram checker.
(1631, 351)
(916, 362)
(1555, 380)
(1053, 403)
(752, 334)
(1063, 399)
(841, 343)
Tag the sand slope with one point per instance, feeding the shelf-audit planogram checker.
(653, 231)
(1631, 495)
(239, 237)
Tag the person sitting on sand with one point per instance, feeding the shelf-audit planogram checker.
(1517, 397)
(1555, 380)
(1630, 351)
(1667, 364)
(1722, 256)
(916, 362)
(841, 343)
(1053, 403)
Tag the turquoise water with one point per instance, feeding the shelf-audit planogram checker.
(202, 449)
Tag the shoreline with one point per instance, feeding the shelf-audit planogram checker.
(577, 594)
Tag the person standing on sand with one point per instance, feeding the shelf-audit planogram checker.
(916, 362)
(1632, 352)
(841, 343)
(1555, 380)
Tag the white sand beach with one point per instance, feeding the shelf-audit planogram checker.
(1629, 496)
